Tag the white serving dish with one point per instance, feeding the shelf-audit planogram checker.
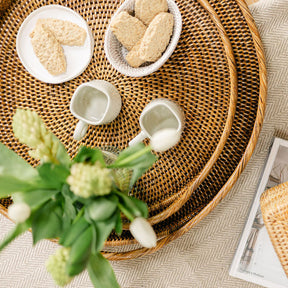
(116, 53)
(77, 57)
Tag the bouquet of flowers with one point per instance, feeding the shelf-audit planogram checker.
(76, 201)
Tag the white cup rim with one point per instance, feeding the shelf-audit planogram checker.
(152, 107)
(75, 95)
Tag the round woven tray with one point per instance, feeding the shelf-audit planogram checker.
(248, 52)
(247, 124)
(200, 76)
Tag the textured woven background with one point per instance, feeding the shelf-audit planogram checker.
(201, 258)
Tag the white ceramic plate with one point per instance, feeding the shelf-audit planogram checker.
(77, 57)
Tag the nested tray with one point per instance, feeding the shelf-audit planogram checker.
(200, 76)
(250, 108)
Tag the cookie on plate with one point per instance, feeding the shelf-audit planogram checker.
(66, 32)
(48, 50)
(146, 10)
(127, 29)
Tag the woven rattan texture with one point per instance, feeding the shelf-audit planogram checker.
(251, 69)
(196, 76)
(4, 4)
(274, 208)
(218, 183)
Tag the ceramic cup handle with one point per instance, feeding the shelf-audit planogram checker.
(80, 130)
(139, 138)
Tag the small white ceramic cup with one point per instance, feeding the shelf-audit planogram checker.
(96, 102)
(157, 115)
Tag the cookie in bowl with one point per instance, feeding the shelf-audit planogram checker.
(154, 41)
(146, 10)
(127, 29)
(153, 49)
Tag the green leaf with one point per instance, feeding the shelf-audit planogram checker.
(136, 156)
(80, 253)
(137, 173)
(18, 230)
(80, 212)
(10, 184)
(135, 206)
(69, 213)
(103, 230)
(69, 209)
(87, 217)
(142, 206)
(94, 239)
(47, 222)
(34, 198)
(70, 235)
(126, 212)
(52, 175)
(67, 193)
(101, 272)
(12, 164)
(119, 224)
(102, 208)
(62, 155)
(131, 150)
(87, 154)
(83, 201)
(75, 269)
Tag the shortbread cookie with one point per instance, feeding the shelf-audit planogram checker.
(156, 37)
(133, 57)
(48, 50)
(127, 29)
(66, 32)
(146, 10)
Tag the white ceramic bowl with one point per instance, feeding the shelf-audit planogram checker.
(116, 53)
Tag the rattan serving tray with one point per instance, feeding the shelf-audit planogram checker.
(200, 76)
(252, 88)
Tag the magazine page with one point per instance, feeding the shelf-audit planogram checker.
(255, 259)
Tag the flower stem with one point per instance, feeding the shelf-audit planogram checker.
(126, 212)
(132, 157)
(80, 213)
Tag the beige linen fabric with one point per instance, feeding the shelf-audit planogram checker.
(202, 257)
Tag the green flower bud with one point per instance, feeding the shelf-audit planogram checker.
(29, 128)
(87, 180)
(56, 266)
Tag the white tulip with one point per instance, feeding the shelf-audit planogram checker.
(164, 139)
(19, 212)
(143, 232)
